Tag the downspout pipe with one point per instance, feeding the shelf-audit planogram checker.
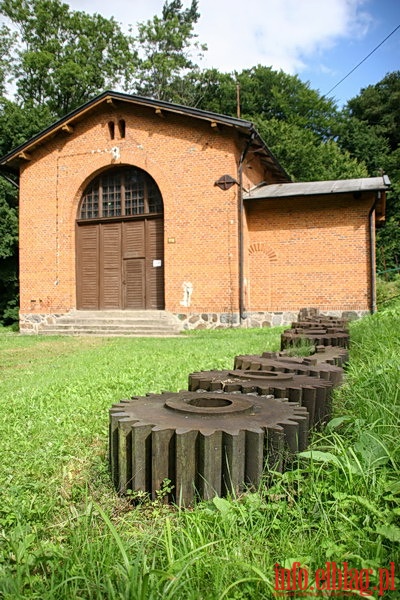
(372, 253)
(242, 308)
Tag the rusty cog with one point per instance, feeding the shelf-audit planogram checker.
(320, 337)
(286, 364)
(206, 444)
(311, 392)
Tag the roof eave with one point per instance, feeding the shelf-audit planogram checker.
(267, 156)
(11, 160)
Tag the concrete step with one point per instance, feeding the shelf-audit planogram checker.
(153, 328)
(99, 333)
(104, 321)
(115, 323)
(112, 327)
(148, 315)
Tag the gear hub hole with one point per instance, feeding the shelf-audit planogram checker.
(210, 402)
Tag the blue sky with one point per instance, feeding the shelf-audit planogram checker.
(320, 40)
(348, 52)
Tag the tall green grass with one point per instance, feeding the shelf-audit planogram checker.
(65, 534)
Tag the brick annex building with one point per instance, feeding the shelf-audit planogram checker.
(130, 203)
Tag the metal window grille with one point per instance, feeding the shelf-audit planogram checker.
(123, 192)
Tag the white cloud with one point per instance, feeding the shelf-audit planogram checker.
(278, 33)
(284, 34)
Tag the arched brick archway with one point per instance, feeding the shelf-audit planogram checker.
(120, 242)
(261, 258)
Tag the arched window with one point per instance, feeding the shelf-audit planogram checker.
(121, 192)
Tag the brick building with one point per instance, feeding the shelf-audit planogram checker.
(130, 203)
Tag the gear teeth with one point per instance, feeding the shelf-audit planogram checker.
(275, 448)
(312, 392)
(125, 453)
(233, 462)
(254, 459)
(218, 437)
(204, 443)
(296, 430)
(115, 415)
(309, 400)
(162, 458)
(186, 466)
(141, 456)
(318, 337)
(210, 464)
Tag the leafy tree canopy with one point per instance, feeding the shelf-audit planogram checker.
(265, 93)
(8, 252)
(6, 43)
(63, 57)
(370, 128)
(20, 122)
(167, 48)
(379, 107)
(305, 156)
(364, 143)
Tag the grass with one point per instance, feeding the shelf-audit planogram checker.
(64, 534)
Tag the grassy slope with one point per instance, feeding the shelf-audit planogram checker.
(65, 533)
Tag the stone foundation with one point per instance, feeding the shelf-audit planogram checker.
(208, 320)
(31, 323)
(256, 319)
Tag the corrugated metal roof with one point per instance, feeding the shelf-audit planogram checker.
(313, 188)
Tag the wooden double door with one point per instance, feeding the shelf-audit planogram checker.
(120, 264)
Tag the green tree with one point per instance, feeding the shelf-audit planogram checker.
(19, 122)
(277, 95)
(305, 156)
(370, 128)
(363, 142)
(8, 253)
(268, 94)
(6, 43)
(379, 106)
(64, 57)
(298, 124)
(168, 49)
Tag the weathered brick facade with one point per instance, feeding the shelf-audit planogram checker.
(312, 251)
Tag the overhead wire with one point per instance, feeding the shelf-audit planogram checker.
(361, 61)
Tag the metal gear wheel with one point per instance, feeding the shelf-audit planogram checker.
(331, 355)
(321, 322)
(311, 392)
(318, 337)
(302, 366)
(206, 444)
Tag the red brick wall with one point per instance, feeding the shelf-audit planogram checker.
(308, 252)
(297, 252)
(184, 156)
